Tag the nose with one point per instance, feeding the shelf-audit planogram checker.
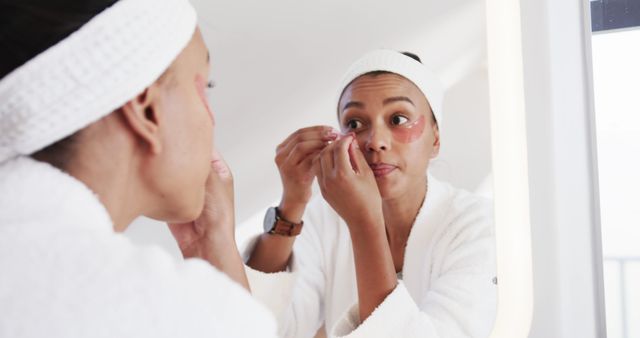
(378, 139)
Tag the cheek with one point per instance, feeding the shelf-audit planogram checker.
(410, 132)
(200, 85)
(416, 156)
(192, 137)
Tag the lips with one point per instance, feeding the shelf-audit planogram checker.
(382, 169)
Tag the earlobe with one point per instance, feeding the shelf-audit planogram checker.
(436, 142)
(144, 120)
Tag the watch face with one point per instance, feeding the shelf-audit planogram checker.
(269, 219)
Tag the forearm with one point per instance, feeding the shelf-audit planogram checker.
(375, 272)
(272, 252)
(223, 254)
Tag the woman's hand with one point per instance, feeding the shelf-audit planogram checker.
(212, 235)
(294, 158)
(349, 186)
(217, 219)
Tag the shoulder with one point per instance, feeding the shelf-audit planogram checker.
(466, 218)
(465, 207)
(107, 284)
(465, 238)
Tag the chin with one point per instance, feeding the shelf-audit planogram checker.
(392, 189)
(188, 210)
(195, 208)
(387, 191)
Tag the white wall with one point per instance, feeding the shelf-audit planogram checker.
(616, 72)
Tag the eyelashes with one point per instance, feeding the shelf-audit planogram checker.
(211, 84)
(353, 124)
(397, 120)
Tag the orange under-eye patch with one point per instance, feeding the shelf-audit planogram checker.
(409, 132)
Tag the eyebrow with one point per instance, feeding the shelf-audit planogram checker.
(354, 104)
(357, 104)
(396, 99)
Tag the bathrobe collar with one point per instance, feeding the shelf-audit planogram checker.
(36, 194)
(432, 212)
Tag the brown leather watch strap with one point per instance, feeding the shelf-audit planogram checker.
(285, 228)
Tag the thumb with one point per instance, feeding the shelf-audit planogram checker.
(219, 165)
(357, 159)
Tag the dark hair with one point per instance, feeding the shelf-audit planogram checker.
(413, 56)
(28, 28)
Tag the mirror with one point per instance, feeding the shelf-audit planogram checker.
(277, 66)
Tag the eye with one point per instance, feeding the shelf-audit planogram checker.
(353, 124)
(398, 120)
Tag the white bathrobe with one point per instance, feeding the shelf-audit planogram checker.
(65, 273)
(448, 288)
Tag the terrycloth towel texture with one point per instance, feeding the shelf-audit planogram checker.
(66, 274)
(447, 288)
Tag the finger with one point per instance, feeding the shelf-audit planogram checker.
(316, 165)
(303, 149)
(219, 166)
(324, 133)
(285, 150)
(341, 155)
(318, 168)
(327, 159)
(306, 133)
(308, 162)
(358, 161)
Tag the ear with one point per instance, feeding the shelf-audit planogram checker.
(144, 118)
(436, 140)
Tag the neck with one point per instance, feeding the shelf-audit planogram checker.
(400, 213)
(114, 184)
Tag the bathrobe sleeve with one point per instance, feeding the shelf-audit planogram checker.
(461, 298)
(295, 296)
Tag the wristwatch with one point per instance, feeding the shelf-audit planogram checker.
(274, 224)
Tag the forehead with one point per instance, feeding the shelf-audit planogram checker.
(379, 86)
(194, 55)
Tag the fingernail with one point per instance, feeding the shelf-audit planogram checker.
(330, 135)
(218, 166)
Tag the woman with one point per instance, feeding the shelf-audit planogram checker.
(390, 251)
(103, 118)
